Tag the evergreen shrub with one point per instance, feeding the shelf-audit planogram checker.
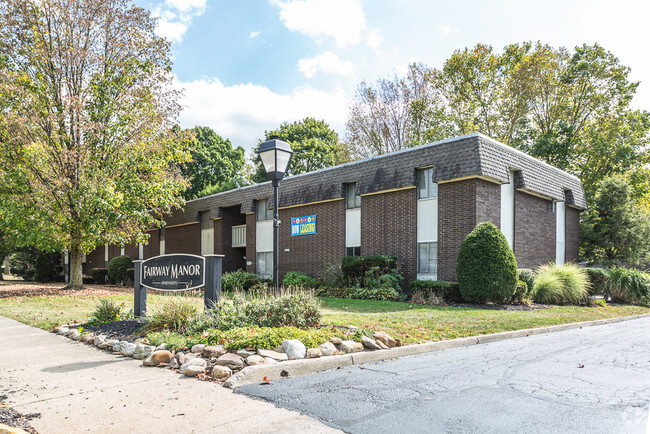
(448, 291)
(99, 275)
(117, 268)
(486, 267)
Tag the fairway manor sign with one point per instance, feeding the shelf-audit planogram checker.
(173, 272)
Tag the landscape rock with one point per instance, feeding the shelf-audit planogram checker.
(98, 340)
(244, 353)
(327, 349)
(351, 347)
(173, 363)
(398, 343)
(385, 339)
(369, 343)
(74, 335)
(212, 351)
(382, 345)
(87, 338)
(233, 361)
(313, 353)
(139, 341)
(158, 357)
(142, 351)
(336, 341)
(273, 355)
(221, 372)
(193, 367)
(256, 360)
(198, 348)
(108, 344)
(294, 349)
(270, 361)
(128, 349)
(117, 346)
(63, 331)
(161, 347)
(184, 358)
(278, 349)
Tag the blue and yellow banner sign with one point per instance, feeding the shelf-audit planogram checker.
(305, 225)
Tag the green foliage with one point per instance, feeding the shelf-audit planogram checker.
(615, 230)
(314, 144)
(297, 278)
(29, 274)
(521, 293)
(99, 275)
(117, 268)
(598, 279)
(175, 341)
(486, 267)
(354, 268)
(384, 292)
(628, 285)
(215, 162)
(225, 186)
(47, 267)
(105, 311)
(174, 315)
(528, 276)
(240, 280)
(561, 284)
(449, 292)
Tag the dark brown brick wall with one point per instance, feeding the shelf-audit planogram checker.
(309, 253)
(250, 242)
(456, 219)
(233, 257)
(488, 202)
(183, 239)
(131, 250)
(572, 235)
(389, 227)
(152, 248)
(534, 230)
(95, 259)
(218, 243)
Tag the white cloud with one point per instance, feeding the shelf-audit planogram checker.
(342, 20)
(327, 62)
(254, 34)
(448, 29)
(175, 17)
(243, 112)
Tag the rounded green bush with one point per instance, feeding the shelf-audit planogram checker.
(118, 266)
(486, 267)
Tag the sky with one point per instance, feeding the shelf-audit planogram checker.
(248, 66)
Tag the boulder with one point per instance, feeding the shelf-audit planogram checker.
(117, 347)
(74, 334)
(221, 372)
(382, 345)
(161, 347)
(108, 344)
(369, 343)
(244, 353)
(398, 343)
(294, 349)
(142, 351)
(270, 361)
(184, 358)
(336, 341)
(159, 357)
(98, 340)
(233, 361)
(87, 338)
(212, 351)
(327, 349)
(385, 339)
(313, 353)
(173, 364)
(278, 349)
(198, 348)
(351, 347)
(273, 355)
(193, 367)
(255, 360)
(128, 349)
(63, 331)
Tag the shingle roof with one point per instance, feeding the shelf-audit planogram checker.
(465, 156)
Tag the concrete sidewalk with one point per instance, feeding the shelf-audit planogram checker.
(77, 388)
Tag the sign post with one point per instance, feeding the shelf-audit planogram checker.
(139, 291)
(212, 291)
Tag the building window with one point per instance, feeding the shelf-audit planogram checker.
(352, 200)
(263, 211)
(428, 259)
(427, 189)
(265, 264)
(353, 251)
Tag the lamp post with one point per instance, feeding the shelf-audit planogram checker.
(275, 155)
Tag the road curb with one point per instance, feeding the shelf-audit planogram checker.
(297, 368)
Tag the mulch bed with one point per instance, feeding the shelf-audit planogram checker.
(533, 306)
(10, 417)
(128, 330)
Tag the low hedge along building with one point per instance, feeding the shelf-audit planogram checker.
(417, 204)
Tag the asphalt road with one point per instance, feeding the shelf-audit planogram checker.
(591, 380)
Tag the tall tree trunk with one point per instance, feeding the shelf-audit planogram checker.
(8, 265)
(76, 275)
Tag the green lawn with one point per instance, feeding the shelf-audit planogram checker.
(45, 306)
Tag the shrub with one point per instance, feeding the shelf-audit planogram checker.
(354, 268)
(448, 291)
(99, 275)
(628, 285)
(130, 276)
(297, 278)
(47, 267)
(18, 271)
(105, 311)
(527, 275)
(174, 315)
(331, 274)
(486, 268)
(239, 279)
(383, 292)
(571, 284)
(598, 278)
(29, 274)
(117, 268)
(175, 341)
(521, 293)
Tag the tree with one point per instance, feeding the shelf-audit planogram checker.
(214, 160)
(615, 229)
(85, 114)
(314, 144)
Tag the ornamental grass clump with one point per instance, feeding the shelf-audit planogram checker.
(105, 311)
(486, 267)
(561, 284)
(628, 285)
(174, 315)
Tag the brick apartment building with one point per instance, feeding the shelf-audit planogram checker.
(417, 204)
